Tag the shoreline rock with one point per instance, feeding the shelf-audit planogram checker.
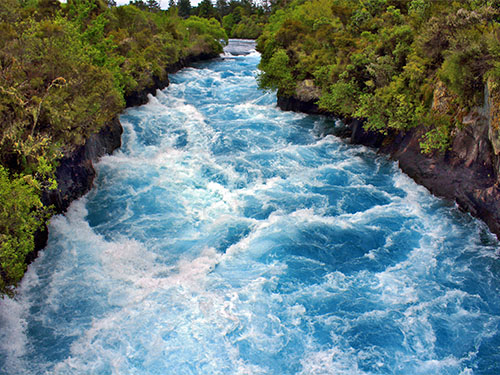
(467, 173)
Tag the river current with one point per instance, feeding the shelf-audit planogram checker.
(229, 237)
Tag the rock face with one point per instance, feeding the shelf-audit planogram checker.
(467, 173)
(141, 97)
(76, 172)
(464, 174)
(304, 100)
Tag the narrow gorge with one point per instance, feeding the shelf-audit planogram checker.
(227, 236)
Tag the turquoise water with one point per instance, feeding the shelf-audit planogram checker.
(229, 237)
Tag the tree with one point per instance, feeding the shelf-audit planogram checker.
(139, 4)
(222, 8)
(149, 5)
(206, 9)
(21, 214)
(228, 23)
(184, 8)
(153, 5)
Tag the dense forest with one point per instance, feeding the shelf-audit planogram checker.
(396, 64)
(243, 19)
(66, 70)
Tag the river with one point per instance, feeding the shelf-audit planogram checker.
(229, 237)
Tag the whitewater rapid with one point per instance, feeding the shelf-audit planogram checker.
(229, 237)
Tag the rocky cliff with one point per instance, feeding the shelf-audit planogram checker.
(467, 173)
(76, 172)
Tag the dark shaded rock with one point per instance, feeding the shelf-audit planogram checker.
(41, 237)
(464, 174)
(353, 127)
(361, 136)
(191, 59)
(290, 103)
(75, 173)
(141, 97)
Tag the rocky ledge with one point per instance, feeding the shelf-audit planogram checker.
(466, 173)
(75, 173)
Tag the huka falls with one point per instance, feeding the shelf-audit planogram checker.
(227, 236)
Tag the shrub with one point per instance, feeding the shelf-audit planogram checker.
(21, 215)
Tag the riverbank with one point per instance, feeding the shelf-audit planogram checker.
(466, 173)
(70, 70)
(76, 173)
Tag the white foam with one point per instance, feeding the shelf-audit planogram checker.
(251, 241)
(191, 272)
(13, 340)
(396, 290)
(437, 366)
(333, 361)
(254, 54)
(415, 194)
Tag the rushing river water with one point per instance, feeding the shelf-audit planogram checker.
(229, 237)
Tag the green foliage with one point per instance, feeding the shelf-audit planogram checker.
(184, 7)
(463, 70)
(342, 98)
(203, 26)
(239, 18)
(248, 28)
(205, 34)
(439, 137)
(21, 215)
(384, 60)
(278, 74)
(148, 5)
(228, 23)
(206, 9)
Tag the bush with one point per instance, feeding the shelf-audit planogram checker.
(342, 99)
(277, 74)
(21, 215)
